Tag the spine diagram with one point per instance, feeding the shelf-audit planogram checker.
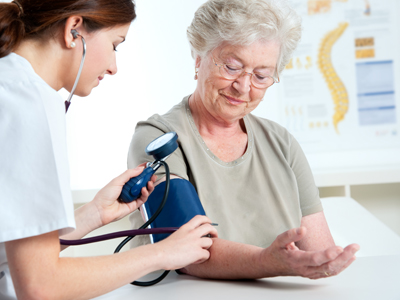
(335, 85)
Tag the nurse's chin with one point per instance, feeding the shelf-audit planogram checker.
(85, 93)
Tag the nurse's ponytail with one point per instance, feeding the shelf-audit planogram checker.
(44, 19)
(12, 29)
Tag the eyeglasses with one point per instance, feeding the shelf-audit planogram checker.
(257, 79)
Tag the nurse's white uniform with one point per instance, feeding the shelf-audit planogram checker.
(35, 195)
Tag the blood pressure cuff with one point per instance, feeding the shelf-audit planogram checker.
(182, 205)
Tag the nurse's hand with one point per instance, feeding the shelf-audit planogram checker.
(188, 245)
(106, 200)
(105, 207)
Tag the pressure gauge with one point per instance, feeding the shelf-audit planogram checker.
(163, 146)
(160, 149)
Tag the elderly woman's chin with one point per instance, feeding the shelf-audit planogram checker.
(228, 113)
(237, 106)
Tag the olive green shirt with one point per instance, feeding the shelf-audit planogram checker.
(253, 198)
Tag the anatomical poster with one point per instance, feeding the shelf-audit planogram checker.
(340, 91)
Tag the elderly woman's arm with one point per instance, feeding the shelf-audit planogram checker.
(308, 251)
(318, 235)
(285, 257)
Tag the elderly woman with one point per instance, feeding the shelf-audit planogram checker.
(250, 173)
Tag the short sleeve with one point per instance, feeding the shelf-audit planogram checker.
(34, 175)
(310, 202)
(144, 134)
(148, 131)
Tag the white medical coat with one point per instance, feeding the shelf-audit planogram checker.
(35, 195)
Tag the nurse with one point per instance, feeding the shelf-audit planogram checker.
(41, 46)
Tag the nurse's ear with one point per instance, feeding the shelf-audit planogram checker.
(72, 25)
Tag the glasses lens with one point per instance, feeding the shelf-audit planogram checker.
(261, 81)
(230, 71)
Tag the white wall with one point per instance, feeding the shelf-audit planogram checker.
(155, 71)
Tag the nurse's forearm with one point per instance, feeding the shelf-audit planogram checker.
(38, 272)
(87, 219)
(230, 260)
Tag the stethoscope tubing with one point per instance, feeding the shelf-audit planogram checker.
(118, 234)
(68, 102)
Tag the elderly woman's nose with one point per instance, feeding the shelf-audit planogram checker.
(243, 83)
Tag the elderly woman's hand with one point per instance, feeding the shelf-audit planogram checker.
(287, 259)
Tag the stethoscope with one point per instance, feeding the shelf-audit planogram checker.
(75, 34)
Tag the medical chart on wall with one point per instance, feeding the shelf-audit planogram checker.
(340, 90)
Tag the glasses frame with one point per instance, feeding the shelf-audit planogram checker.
(275, 80)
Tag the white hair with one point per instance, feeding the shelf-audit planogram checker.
(243, 22)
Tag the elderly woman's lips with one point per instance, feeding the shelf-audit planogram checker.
(234, 101)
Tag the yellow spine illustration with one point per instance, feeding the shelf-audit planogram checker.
(335, 85)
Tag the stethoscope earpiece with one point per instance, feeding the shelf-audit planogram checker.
(74, 33)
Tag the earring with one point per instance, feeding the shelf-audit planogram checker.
(195, 75)
(72, 45)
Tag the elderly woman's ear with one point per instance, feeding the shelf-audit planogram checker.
(198, 61)
(197, 66)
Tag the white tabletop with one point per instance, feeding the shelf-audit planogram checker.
(349, 222)
(373, 277)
